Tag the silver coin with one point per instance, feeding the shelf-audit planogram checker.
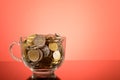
(56, 55)
(57, 36)
(46, 51)
(56, 40)
(39, 40)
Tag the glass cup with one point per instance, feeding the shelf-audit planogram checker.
(42, 54)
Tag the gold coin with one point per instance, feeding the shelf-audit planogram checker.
(56, 55)
(53, 46)
(30, 39)
(39, 40)
(35, 55)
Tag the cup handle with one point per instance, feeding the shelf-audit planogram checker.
(11, 51)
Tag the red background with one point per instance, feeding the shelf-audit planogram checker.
(92, 27)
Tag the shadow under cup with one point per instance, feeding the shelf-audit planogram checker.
(42, 54)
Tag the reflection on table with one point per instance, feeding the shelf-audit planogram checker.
(51, 76)
(69, 70)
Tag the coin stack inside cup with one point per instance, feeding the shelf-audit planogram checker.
(43, 51)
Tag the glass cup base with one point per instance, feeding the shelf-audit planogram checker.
(43, 73)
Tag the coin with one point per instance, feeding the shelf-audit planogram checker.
(56, 40)
(57, 36)
(39, 40)
(50, 36)
(35, 55)
(43, 51)
(53, 46)
(30, 39)
(46, 51)
(56, 55)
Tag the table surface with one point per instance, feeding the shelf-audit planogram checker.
(69, 70)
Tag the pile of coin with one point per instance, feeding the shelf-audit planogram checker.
(43, 51)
